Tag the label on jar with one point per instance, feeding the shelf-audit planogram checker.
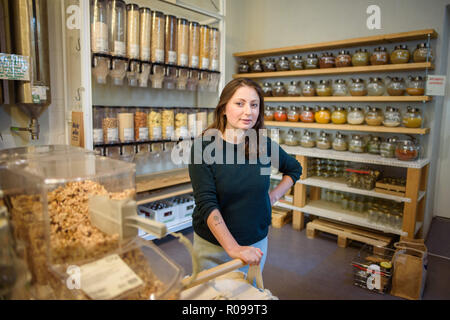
(112, 134)
(172, 57)
(98, 136)
(159, 55)
(182, 132)
(169, 132)
(194, 61)
(134, 50)
(157, 133)
(128, 134)
(145, 53)
(214, 64)
(119, 48)
(143, 133)
(183, 59)
(205, 63)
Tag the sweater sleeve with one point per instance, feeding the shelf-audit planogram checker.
(204, 187)
(287, 164)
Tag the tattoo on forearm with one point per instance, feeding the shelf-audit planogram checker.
(217, 220)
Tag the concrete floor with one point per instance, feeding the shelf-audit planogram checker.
(298, 268)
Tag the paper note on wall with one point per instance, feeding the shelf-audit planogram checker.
(77, 130)
(436, 85)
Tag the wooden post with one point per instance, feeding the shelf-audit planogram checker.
(413, 182)
(422, 202)
(298, 218)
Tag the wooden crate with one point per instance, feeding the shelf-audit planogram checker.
(390, 189)
(280, 217)
(346, 233)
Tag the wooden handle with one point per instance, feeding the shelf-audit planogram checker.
(212, 273)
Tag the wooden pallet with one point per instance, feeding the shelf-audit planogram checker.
(280, 217)
(346, 233)
(390, 189)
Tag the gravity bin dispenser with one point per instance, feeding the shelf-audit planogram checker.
(29, 38)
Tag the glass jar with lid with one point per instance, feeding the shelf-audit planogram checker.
(392, 117)
(357, 87)
(400, 54)
(421, 52)
(340, 88)
(360, 58)
(244, 67)
(323, 141)
(256, 66)
(309, 89)
(387, 147)
(98, 115)
(307, 140)
(278, 90)
(291, 139)
(415, 86)
(307, 114)
(339, 115)
(324, 88)
(282, 64)
(293, 114)
(327, 60)
(340, 142)
(379, 56)
(267, 89)
(357, 144)
(296, 63)
(373, 146)
(294, 89)
(374, 116)
(407, 150)
(322, 115)
(280, 114)
(396, 86)
(311, 61)
(355, 116)
(343, 59)
(276, 135)
(268, 113)
(269, 65)
(412, 118)
(376, 87)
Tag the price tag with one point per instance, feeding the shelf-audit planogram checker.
(436, 85)
(14, 67)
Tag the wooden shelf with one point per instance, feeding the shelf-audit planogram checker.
(350, 99)
(175, 228)
(146, 197)
(347, 127)
(362, 41)
(344, 70)
(161, 180)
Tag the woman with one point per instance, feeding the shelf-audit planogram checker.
(232, 215)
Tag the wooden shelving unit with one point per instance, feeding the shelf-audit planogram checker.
(350, 99)
(161, 180)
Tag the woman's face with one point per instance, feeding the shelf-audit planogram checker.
(242, 110)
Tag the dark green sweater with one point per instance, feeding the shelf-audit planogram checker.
(239, 191)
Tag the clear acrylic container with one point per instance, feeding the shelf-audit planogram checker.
(182, 78)
(126, 125)
(97, 132)
(117, 28)
(204, 47)
(154, 124)
(167, 123)
(181, 124)
(141, 124)
(110, 126)
(99, 26)
(133, 33)
(194, 44)
(145, 18)
(214, 57)
(157, 37)
(194, 78)
(182, 42)
(170, 40)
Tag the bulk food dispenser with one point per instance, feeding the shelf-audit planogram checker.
(61, 207)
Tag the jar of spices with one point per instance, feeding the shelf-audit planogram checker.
(322, 115)
(280, 114)
(355, 116)
(387, 147)
(407, 150)
(396, 87)
(400, 54)
(412, 118)
(309, 89)
(339, 115)
(360, 58)
(340, 88)
(244, 67)
(141, 124)
(126, 125)
(374, 116)
(294, 89)
(323, 141)
(307, 140)
(358, 87)
(421, 52)
(296, 63)
(293, 114)
(324, 88)
(343, 59)
(269, 65)
(291, 138)
(267, 89)
(340, 143)
(327, 60)
(357, 144)
(379, 56)
(311, 61)
(282, 64)
(268, 113)
(278, 89)
(373, 146)
(375, 87)
(391, 117)
(415, 86)
(256, 66)
(307, 114)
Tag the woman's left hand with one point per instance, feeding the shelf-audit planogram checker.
(273, 198)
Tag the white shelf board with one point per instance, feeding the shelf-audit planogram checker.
(333, 211)
(354, 157)
(175, 228)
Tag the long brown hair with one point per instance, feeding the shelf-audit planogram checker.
(220, 119)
